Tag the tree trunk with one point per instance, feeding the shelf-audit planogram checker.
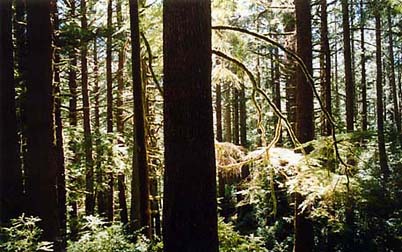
(236, 125)
(122, 198)
(243, 116)
(392, 81)
(304, 93)
(277, 87)
(42, 164)
(61, 180)
(304, 238)
(89, 173)
(11, 185)
(120, 78)
(218, 112)
(140, 206)
(325, 59)
(350, 92)
(190, 208)
(380, 106)
(228, 115)
(363, 68)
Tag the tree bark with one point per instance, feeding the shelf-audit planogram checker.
(89, 173)
(228, 115)
(325, 59)
(304, 237)
(304, 93)
(363, 68)
(218, 113)
(11, 185)
(140, 205)
(243, 117)
(236, 123)
(392, 80)
(41, 161)
(380, 105)
(350, 92)
(190, 208)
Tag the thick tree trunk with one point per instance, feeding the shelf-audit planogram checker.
(120, 77)
(218, 112)
(41, 155)
(89, 173)
(190, 208)
(304, 238)
(325, 60)
(304, 93)
(11, 185)
(350, 89)
(122, 198)
(277, 87)
(380, 105)
(140, 205)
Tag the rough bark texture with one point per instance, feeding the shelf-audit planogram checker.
(41, 156)
(109, 81)
(325, 60)
(227, 119)
(236, 123)
(10, 165)
(304, 94)
(121, 184)
(304, 239)
(89, 173)
(350, 89)
(140, 205)
(380, 105)
(190, 208)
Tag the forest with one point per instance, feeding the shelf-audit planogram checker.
(201, 125)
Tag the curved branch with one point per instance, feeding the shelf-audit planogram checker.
(305, 71)
(150, 56)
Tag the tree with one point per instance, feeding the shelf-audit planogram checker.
(363, 68)
(11, 187)
(350, 92)
(304, 238)
(380, 106)
(89, 172)
(140, 206)
(41, 170)
(325, 61)
(190, 208)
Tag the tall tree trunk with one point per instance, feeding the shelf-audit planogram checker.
(122, 198)
(380, 105)
(89, 172)
(140, 205)
(190, 208)
(236, 125)
(109, 108)
(392, 80)
(11, 185)
(350, 89)
(227, 120)
(73, 122)
(277, 86)
(363, 68)
(304, 93)
(41, 161)
(60, 180)
(304, 237)
(243, 116)
(218, 112)
(325, 59)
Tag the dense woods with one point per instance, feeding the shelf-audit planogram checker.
(182, 125)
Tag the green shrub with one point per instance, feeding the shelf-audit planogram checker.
(23, 236)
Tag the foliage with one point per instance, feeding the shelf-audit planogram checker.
(99, 237)
(23, 236)
(230, 240)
